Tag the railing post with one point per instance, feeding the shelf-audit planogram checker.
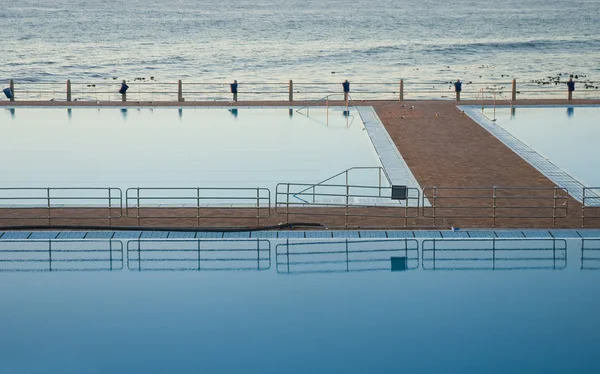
(494, 204)
(124, 94)
(49, 206)
(401, 94)
(514, 90)
(583, 209)
(291, 90)
(257, 206)
(11, 85)
(68, 90)
(179, 91)
(109, 208)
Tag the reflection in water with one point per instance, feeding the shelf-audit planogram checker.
(590, 254)
(69, 113)
(198, 255)
(61, 255)
(513, 112)
(570, 112)
(124, 113)
(180, 111)
(234, 112)
(291, 113)
(494, 254)
(347, 256)
(12, 112)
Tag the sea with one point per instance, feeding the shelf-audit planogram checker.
(302, 40)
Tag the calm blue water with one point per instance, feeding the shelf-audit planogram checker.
(190, 147)
(567, 136)
(266, 40)
(539, 320)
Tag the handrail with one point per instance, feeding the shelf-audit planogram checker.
(387, 177)
(492, 202)
(49, 199)
(313, 103)
(258, 201)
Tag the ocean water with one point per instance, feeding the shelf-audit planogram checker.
(303, 40)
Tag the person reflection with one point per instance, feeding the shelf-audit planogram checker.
(570, 111)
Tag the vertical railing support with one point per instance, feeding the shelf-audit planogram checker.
(179, 91)
(11, 85)
(49, 206)
(291, 90)
(494, 196)
(401, 94)
(514, 90)
(68, 90)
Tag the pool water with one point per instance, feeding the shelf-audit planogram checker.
(565, 135)
(180, 147)
(316, 306)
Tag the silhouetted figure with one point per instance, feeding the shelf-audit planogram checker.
(234, 89)
(458, 89)
(571, 87)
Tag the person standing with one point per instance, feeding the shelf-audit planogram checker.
(234, 89)
(346, 87)
(571, 87)
(458, 89)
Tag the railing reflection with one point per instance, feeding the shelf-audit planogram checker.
(61, 255)
(342, 256)
(494, 254)
(198, 255)
(590, 254)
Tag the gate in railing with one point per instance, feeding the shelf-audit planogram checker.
(590, 254)
(494, 254)
(63, 203)
(343, 256)
(61, 255)
(340, 200)
(590, 204)
(198, 255)
(198, 203)
(496, 203)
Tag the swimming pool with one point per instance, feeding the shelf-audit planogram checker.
(297, 305)
(559, 141)
(236, 147)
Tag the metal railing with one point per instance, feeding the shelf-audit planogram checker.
(198, 255)
(60, 255)
(344, 200)
(590, 204)
(344, 256)
(354, 202)
(496, 203)
(494, 254)
(590, 254)
(405, 89)
(199, 203)
(61, 203)
(346, 173)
